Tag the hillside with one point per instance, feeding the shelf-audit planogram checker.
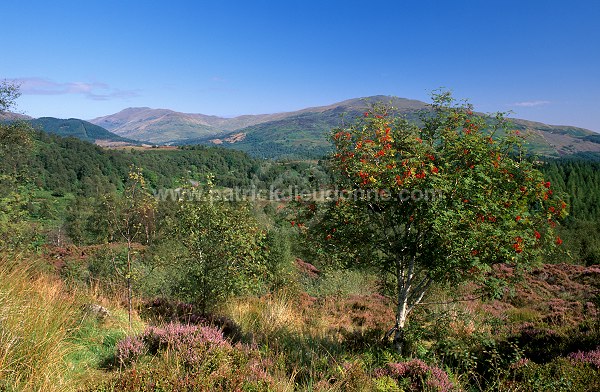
(159, 126)
(297, 133)
(558, 140)
(303, 133)
(10, 116)
(79, 129)
(163, 126)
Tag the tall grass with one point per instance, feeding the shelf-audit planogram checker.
(36, 317)
(268, 316)
(277, 324)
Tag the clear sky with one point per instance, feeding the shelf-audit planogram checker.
(540, 59)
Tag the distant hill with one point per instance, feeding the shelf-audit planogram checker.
(10, 116)
(80, 129)
(159, 126)
(303, 133)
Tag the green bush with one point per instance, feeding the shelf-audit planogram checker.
(559, 375)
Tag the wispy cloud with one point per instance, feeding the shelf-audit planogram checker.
(530, 104)
(92, 90)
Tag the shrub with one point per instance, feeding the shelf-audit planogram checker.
(162, 310)
(591, 357)
(544, 344)
(417, 375)
(191, 358)
(129, 350)
(188, 341)
(559, 375)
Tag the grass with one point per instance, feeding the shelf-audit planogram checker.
(270, 315)
(94, 344)
(36, 319)
(292, 341)
(47, 343)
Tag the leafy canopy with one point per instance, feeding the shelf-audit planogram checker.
(440, 202)
(223, 247)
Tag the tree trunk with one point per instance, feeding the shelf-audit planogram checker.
(129, 289)
(401, 316)
(404, 276)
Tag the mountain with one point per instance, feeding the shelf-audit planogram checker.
(558, 140)
(163, 126)
(80, 129)
(159, 126)
(303, 133)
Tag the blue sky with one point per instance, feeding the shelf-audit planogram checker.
(540, 59)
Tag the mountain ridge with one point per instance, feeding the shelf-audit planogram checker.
(302, 133)
(153, 125)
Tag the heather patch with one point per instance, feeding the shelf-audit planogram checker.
(189, 342)
(417, 375)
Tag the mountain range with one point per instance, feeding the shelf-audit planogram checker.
(163, 126)
(303, 133)
(297, 134)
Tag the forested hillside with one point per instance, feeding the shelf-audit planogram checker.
(63, 165)
(580, 180)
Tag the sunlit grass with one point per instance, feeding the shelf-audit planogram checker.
(47, 342)
(36, 319)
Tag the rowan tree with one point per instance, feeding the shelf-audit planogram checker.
(442, 202)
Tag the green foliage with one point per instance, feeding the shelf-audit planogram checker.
(440, 203)
(69, 165)
(79, 129)
(132, 215)
(223, 249)
(15, 148)
(9, 92)
(560, 375)
(15, 191)
(280, 273)
(15, 233)
(580, 180)
(77, 221)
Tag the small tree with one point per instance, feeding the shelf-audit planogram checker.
(9, 92)
(443, 202)
(132, 218)
(15, 136)
(223, 247)
(15, 149)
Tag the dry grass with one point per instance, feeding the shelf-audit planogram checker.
(36, 317)
(46, 342)
(267, 315)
